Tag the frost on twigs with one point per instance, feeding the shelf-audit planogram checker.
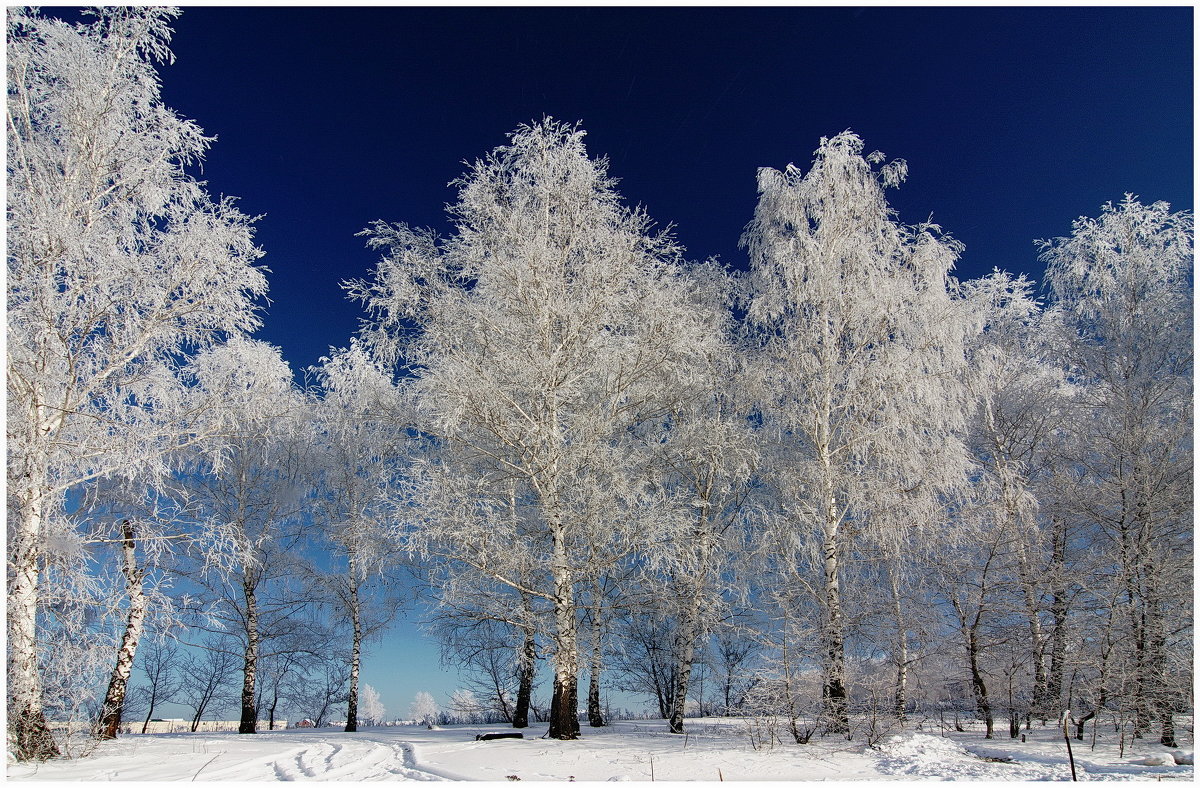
(858, 378)
(120, 267)
(1123, 284)
(541, 335)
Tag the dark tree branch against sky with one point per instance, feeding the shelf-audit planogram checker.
(1014, 121)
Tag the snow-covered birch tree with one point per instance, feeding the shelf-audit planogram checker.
(373, 710)
(360, 439)
(119, 266)
(861, 351)
(1123, 282)
(1019, 409)
(130, 518)
(247, 492)
(424, 709)
(552, 322)
(700, 469)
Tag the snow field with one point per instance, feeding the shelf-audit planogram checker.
(712, 751)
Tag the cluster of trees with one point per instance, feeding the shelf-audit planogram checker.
(871, 466)
(164, 470)
(838, 482)
(293, 688)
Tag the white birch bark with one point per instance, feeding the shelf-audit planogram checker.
(114, 698)
(248, 711)
(355, 645)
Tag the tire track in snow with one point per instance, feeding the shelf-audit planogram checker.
(361, 760)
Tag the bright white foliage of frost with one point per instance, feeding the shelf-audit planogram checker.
(551, 323)
(359, 438)
(860, 361)
(119, 266)
(424, 709)
(1123, 281)
(371, 709)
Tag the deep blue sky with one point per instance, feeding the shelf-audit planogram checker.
(1014, 122)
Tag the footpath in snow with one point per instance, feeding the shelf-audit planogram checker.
(713, 750)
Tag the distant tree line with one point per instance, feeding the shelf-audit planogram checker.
(839, 489)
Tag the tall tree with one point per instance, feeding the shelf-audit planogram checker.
(119, 266)
(861, 345)
(360, 439)
(248, 492)
(1123, 281)
(1020, 402)
(118, 684)
(700, 467)
(549, 325)
(130, 517)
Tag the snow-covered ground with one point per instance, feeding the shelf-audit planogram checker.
(714, 750)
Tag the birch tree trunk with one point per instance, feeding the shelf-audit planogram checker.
(685, 646)
(564, 703)
(595, 714)
(594, 710)
(1037, 639)
(1022, 526)
(1058, 610)
(690, 628)
(30, 735)
(249, 718)
(527, 661)
(978, 685)
(355, 646)
(900, 697)
(833, 693)
(1155, 682)
(114, 698)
